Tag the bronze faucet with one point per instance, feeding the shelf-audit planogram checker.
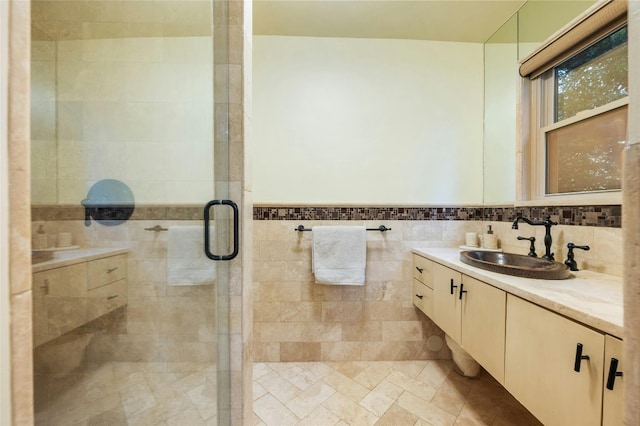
(547, 223)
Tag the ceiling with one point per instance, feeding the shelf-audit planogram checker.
(440, 20)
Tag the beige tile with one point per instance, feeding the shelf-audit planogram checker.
(402, 331)
(321, 332)
(381, 398)
(279, 387)
(341, 351)
(342, 311)
(373, 374)
(278, 332)
(346, 386)
(362, 331)
(320, 416)
(271, 411)
(416, 387)
(310, 399)
(395, 416)
(300, 311)
(425, 410)
(277, 291)
(349, 411)
(451, 396)
(299, 351)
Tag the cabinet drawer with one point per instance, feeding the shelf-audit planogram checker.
(68, 281)
(106, 270)
(423, 270)
(106, 298)
(423, 298)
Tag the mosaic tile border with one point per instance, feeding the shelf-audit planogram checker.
(602, 216)
(150, 212)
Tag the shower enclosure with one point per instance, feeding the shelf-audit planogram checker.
(130, 94)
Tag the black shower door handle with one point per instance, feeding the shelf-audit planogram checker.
(236, 223)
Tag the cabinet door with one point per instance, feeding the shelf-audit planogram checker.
(613, 402)
(483, 325)
(446, 302)
(60, 301)
(540, 357)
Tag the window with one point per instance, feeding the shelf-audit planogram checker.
(583, 144)
(578, 105)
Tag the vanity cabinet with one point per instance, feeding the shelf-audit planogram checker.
(59, 301)
(423, 284)
(612, 398)
(553, 365)
(69, 296)
(563, 371)
(471, 313)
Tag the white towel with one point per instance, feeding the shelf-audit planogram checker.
(186, 262)
(339, 254)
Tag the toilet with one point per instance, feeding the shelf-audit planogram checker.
(465, 365)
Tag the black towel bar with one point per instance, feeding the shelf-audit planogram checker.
(380, 228)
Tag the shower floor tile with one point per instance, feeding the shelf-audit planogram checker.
(128, 394)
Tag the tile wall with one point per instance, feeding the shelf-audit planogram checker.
(118, 108)
(298, 320)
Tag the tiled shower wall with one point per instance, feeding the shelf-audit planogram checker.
(118, 108)
(298, 320)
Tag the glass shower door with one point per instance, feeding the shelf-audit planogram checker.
(130, 315)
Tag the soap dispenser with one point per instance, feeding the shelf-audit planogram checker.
(490, 240)
(40, 239)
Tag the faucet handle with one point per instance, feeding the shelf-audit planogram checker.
(570, 262)
(532, 247)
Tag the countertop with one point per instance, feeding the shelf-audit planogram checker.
(588, 297)
(79, 255)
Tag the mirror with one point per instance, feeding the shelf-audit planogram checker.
(540, 19)
(500, 92)
(516, 39)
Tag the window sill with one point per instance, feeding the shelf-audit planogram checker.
(598, 198)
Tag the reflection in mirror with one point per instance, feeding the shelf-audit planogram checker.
(501, 79)
(540, 19)
(524, 32)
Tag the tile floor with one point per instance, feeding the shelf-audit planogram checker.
(393, 393)
(129, 393)
(381, 393)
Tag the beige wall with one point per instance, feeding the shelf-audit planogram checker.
(15, 232)
(298, 320)
(367, 121)
(631, 212)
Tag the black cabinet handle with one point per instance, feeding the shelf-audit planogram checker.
(613, 373)
(419, 296)
(453, 286)
(420, 269)
(579, 358)
(462, 290)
